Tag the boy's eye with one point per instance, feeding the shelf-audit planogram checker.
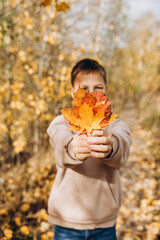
(98, 88)
(85, 89)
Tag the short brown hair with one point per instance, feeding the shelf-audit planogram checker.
(88, 65)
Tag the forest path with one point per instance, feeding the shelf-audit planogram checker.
(139, 215)
(25, 188)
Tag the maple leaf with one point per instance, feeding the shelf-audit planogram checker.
(103, 107)
(78, 97)
(100, 96)
(113, 116)
(89, 99)
(97, 120)
(90, 111)
(69, 115)
(74, 128)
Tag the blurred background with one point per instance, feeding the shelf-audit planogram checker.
(40, 41)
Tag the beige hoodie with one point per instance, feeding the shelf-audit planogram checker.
(86, 195)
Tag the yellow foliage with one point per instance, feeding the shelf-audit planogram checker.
(155, 227)
(62, 7)
(25, 207)
(27, 21)
(8, 233)
(3, 128)
(63, 70)
(61, 57)
(42, 215)
(13, 2)
(42, 105)
(51, 39)
(19, 144)
(21, 53)
(3, 212)
(37, 193)
(9, 116)
(50, 234)
(45, 237)
(24, 230)
(26, 67)
(46, 3)
(30, 71)
(15, 98)
(44, 226)
(18, 221)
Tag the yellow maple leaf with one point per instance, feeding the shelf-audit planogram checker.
(86, 114)
(78, 97)
(74, 128)
(113, 116)
(97, 120)
(69, 115)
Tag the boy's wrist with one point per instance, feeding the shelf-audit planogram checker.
(109, 155)
(70, 150)
(115, 147)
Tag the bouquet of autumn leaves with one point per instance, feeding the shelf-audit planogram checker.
(90, 111)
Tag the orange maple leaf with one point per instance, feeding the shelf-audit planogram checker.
(90, 111)
(78, 96)
(100, 96)
(89, 99)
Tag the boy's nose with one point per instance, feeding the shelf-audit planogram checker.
(91, 89)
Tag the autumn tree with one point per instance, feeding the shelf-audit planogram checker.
(30, 40)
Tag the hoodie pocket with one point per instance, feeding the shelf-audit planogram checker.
(82, 199)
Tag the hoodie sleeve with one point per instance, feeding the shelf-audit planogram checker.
(60, 138)
(121, 144)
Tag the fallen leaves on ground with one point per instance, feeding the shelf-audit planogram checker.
(139, 217)
(25, 188)
(23, 214)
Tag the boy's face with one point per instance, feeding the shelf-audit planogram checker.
(90, 82)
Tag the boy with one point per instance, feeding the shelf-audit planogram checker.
(85, 197)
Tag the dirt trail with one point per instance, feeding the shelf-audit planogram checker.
(24, 190)
(139, 214)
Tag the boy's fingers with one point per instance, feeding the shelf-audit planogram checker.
(80, 142)
(101, 133)
(100, 140)
(97, 140)
(97, 133)
(109, 141)
(101, 148)
(82, 150)
(82, 137)
(98, 154)
(82, 156)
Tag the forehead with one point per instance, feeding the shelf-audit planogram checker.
(85, 78)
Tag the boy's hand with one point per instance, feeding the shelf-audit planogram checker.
(80, 147)
(100, 143)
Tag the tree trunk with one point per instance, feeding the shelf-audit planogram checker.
(37, 113)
